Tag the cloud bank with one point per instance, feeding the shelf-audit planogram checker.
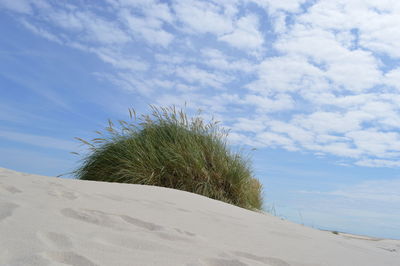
(316, 76)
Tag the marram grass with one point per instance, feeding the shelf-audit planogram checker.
(168, 149)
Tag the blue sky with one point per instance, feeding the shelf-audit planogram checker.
(313, 85)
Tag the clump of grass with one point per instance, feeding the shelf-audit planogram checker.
(169, 149)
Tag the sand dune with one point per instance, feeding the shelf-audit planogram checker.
(54, 221)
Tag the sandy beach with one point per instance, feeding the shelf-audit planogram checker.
(56, 221)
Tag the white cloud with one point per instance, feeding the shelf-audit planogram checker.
(120, 61)
(341, 149)
(149, 23)
(150, 8)
(170, 58)
(89, 29)
(378, 163)
(22, 6)
(374, 20)
(327, 99)
(203, 17)
(129, 82)
(218, 60)
(279, 22)
(193, 74)
(349, 69)
(275, 140)
(296, 133)
(150, 27)
(41, 32)
(264, 104)
(241, 139)
(246, 34)
(67, 19)
(356, 70)
(376, 143)
(185, 88)
(273, 5)
(384, 110)
(249, 125)
(330, 122)
(392, 78)
(287, 73)
(101, 30)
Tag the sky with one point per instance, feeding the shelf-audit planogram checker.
(313, 86)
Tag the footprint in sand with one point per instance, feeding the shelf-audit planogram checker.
(7, 209)
(70, 258)
(53, 239)
(115, 221)
(92, 216)
(29, 260)
(141, 223)
(108, 219)
(185, 232)
(114, 198)
(60, 191)
(10, 189)
(132, 242)
(55, 184)
(183, 210)
(224, 262)
(162, 232)
(267, 260)
(63, 194)
(61, 241)
(174, 237)
(69, 195)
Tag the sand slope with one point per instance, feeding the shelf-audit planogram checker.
(54, 221)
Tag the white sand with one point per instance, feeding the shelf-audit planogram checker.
(54, 221)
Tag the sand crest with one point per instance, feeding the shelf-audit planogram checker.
(55, 221)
